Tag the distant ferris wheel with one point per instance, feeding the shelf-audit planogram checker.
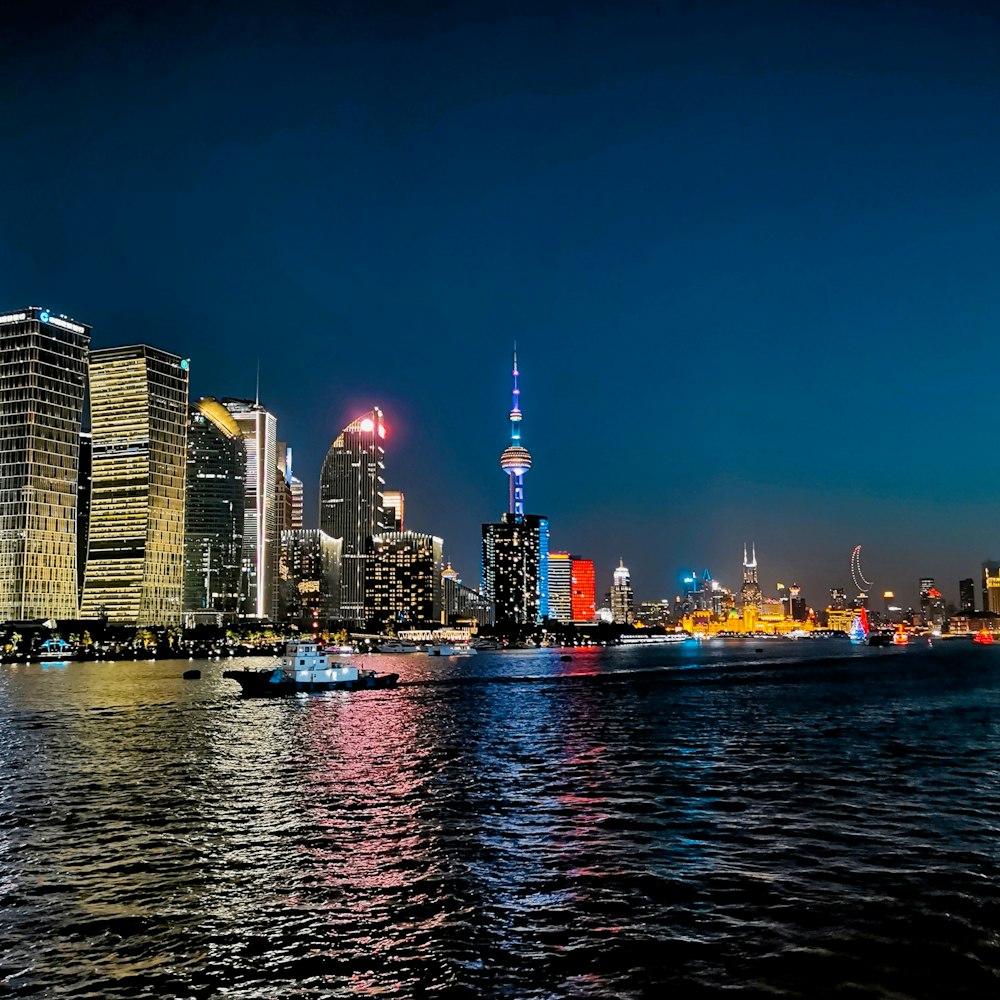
(860, 582)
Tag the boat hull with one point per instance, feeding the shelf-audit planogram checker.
(259, 683)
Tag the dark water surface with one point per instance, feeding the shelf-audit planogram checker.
(810, 820)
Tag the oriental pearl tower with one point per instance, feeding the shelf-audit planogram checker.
(516, 460)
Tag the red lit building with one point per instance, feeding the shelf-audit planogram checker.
(583, 590)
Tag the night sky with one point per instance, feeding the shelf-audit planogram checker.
(748, 252)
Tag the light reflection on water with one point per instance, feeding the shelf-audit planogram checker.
(624, 822)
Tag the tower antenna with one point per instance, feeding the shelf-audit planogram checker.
(516, 460)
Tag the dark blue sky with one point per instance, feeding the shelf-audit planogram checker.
(749, 253)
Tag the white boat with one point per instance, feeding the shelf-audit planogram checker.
(396, 646)
(486, 645)
(306, 669)
(450, 649)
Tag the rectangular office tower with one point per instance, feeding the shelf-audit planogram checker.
(138, 415)
(516, 568)
(43, 371)
(404, 579)
(261, 532)
(214, 510)
(561, 586)
(309, 573)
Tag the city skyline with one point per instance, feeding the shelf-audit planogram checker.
(744, 254)
(247, 408)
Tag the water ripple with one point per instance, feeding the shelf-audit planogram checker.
(798, 823)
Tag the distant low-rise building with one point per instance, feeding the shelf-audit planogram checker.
(463, 606)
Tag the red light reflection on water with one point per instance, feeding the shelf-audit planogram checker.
(580, 661)
(364, 795)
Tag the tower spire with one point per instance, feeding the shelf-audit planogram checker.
(515, 460)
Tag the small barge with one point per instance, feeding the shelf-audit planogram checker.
(306, 669)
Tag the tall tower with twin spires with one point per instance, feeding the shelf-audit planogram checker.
(750, 595)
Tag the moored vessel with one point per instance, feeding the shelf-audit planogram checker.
(396, 646)
(450, 649)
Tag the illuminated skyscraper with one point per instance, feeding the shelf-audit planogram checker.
(135, 561)
(405, 583)
(260, 510)
(932, 606)
(310, 577)
(622, 600)
(516, 550)
(991, 570)
(583, 597)
(214, 510)
(298, 489)
(43, 371)
(796, 603)
(750, 593)
(561, 586)
(351, 504)
(83, 495)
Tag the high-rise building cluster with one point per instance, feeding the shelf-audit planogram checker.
(122, 501)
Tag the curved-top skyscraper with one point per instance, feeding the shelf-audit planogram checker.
(351, 504)
(215, 509)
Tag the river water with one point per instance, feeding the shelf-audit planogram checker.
(794, 819)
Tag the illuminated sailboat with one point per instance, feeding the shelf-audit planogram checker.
(859, 627)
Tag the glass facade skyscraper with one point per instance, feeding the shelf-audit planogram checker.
(214, 510)
(514, 552)
(135, 560)
(309, 575)
(584, 604)
(43, 372)
(260, 509)
(561, 586)
(405, 578)
(622, 602)
(352, 506)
